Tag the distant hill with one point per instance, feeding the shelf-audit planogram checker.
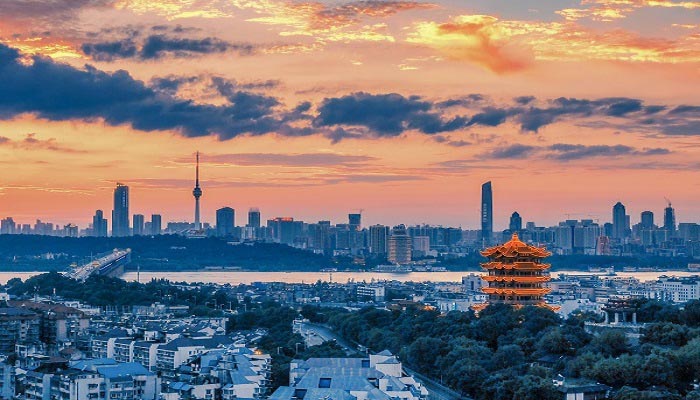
(164, 252)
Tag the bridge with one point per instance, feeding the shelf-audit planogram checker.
(109, 264)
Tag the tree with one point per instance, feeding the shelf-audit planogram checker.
(610, 343)
(423, 353)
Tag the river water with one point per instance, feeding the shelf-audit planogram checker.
(247, 277)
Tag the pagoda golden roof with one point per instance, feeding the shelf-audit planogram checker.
(515, 248)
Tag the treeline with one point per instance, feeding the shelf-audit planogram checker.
(508, 353)
(164, 252)
(106, 291)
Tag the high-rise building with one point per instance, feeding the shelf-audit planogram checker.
(71, 230)
(156, 224)
(647, 219)
(120, 213)
(225, 221)
(139, 220)
(355, 221)
(620, 221)
(197, 193)
(254, 218)
(378, 235)
(7, 226)
(486, 213)
(99, 224)
(399, 245)
(283, 229)
(670, 219)
(516, 223)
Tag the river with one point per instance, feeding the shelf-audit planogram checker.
(247, 277)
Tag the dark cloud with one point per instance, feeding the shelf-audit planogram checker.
(566, 152)
(171, 83)
(514, 151)
(158, 46)
(686, 109)
(385, 114)
(59, 92)
(56, 91)
(569, 152)
(490, 116)
(620, 107)
(466, 101)
(109, 51)
(450, 142)
(524, 100)
(654, 109)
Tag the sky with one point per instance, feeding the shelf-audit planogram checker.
(317, 109)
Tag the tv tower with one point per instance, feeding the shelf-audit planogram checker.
(197, 193)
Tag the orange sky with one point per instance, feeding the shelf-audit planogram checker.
(392, 124)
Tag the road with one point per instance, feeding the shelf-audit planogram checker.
(323, 333)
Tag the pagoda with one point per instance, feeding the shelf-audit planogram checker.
(515, 274)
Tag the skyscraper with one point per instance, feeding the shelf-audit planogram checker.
(156, 224)
(99, 224)
(516, 223)
(620, 224)
(399, 246)
(197, 193)
(486, 213)
(138, 225)
(225, 221)
(120, 213)
(647, 219)
(254, 218)
(378, 235)
(670, 219)
(355, 221)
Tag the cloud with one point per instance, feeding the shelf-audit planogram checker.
(450, 142)
(476, 38)
(60, 92)
(569, 152)
(177, 9)
(610, 10)
(384, 114)
(514, 151)
(154, 47)
(329, 23)
(289, 160)
(32, 9)
(32, 142)
(506, 46)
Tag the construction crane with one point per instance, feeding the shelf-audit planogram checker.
(667, 201)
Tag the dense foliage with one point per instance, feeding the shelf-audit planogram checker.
(204, 300)
(164, 252)
(509, 353)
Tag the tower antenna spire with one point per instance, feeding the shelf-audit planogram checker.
(197, 193)
(197, 171)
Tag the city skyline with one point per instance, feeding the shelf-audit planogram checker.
(392, 107)
(621, 221)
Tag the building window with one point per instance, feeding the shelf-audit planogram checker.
(324, 383)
